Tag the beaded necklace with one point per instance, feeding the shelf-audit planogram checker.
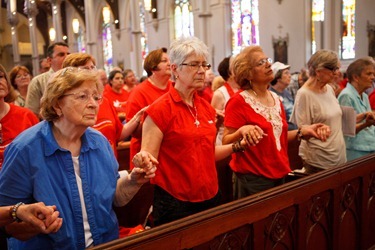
(196, 122)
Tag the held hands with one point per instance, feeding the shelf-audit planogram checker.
(317, 130)
(145, 167)
(251, 134)
(44, 219)
(369, 118)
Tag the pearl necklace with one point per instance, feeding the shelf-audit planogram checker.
(196, 122)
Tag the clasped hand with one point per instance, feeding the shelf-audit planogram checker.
(252, 134)
(45, 219)
(144, 167)
(317, 130)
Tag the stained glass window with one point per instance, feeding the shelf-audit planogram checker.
(183, 19)
(317, 19)
(143, 30)
(107, 44)
(348, 29)
(245, 24)
(81, 41)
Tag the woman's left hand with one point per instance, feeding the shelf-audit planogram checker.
(317, 130)
(145, 167)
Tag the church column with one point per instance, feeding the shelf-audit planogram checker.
(13, 21)
(91, 33)
(31, 11)
(56, 19)
(136, 38)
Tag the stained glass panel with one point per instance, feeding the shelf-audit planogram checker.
(348, 29)
(317, 19)
(245, 24)
(107, 47)
(183, 19)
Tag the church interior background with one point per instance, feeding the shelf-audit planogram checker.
(121, 32)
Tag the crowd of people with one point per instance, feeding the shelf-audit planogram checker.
(59, 133)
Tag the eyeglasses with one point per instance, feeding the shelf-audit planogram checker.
(92, 67)
(333, 69)
(196, 66)
(84, 97)
(264, 61)
(23, 75)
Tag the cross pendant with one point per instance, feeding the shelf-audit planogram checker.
(197, 123)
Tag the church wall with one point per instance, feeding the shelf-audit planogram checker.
(289, 18)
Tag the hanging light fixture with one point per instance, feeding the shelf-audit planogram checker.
(52, 34)
(148, 5)
(106, 15)
(75, 25)
(13, 6)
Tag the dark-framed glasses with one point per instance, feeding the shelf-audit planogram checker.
(333, 69)
(84, 97)
(264, 61)
(196, 65)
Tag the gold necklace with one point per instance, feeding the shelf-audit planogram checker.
(196, 122)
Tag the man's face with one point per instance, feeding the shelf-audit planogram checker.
(58, 56)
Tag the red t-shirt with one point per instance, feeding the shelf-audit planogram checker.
(17, 120)
(141, 96)
(264, 159)
(372, 99)
(206, 94)
(118, 100)
(108, 123)
(186, 158)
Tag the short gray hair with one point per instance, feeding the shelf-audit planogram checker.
(186, 46)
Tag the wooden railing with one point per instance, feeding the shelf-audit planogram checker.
(333, 209)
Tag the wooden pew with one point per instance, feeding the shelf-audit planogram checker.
(333, 209)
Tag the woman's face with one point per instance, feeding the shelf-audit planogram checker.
(117, 82)
(164, 67)
(22, 79)
(191, 72)
(80, 106)
(328, 74)
(366, 78)
(4, 90)
(285, 78)
(262, 72)
(89, 65)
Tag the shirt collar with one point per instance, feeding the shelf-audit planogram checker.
(177, 98)
(51, 146)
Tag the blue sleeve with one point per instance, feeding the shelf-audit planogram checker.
(15, 171)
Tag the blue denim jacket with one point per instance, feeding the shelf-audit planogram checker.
(37, 169)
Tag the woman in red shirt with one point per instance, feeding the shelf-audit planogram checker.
(13, 119)
(116, 93)
(265, 164)
(179, 134)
